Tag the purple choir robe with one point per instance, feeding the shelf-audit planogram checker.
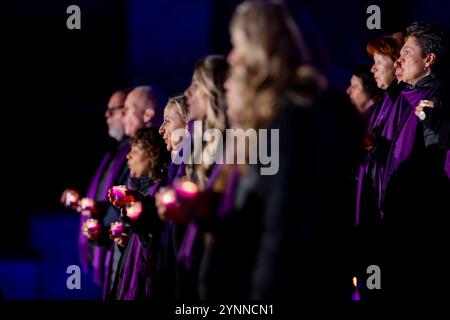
(382, 123)
(140, 266)
(405, 136)
(144, 264)
(100, 253)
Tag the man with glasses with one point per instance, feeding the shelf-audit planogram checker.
(113, 170)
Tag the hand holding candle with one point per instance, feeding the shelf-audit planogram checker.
(87, 207)
(116, 229)
(120, 196)
(185, 190)
(192, 202)
(134, 210)
(70, 198)
(92, 229)
(168, 206)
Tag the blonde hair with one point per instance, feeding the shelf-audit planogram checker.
(274, 59)
(210, 72)
(180, 102)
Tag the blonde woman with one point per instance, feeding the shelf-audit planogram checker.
(176, 116)
(206, 104)
(287, 231)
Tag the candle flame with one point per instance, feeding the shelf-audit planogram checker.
(87, 203)
(168, 198)
(134, 210)
(355, 281)
(92, 224)
(189, 187)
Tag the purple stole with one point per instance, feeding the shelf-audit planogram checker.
(83, 243)
(140, 266)
(405, 135)
(383, 122)
(227, 202)
(100, 254)
(100, 259)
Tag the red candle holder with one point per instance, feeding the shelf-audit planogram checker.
(72, 199)
(120, 197)
(116, 229)
(87, 206)
(92, 228)
(186, 190)
(168, 198)
(134, 210)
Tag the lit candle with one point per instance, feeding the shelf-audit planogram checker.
(116, 229)
(355, 294)
(186, 190)
(92, 228)
(72, 199)
(93, 225)
(87, 206)
(168, 198)
(134, 210)
(120, 196)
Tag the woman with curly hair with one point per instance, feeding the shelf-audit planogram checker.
(140, 239)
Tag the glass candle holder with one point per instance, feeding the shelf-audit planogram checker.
(116, 229)
(87, 206)
(134, 210)
(72, 199)
(120, 197)
(92, 228)
(186, 190)
(168, 198)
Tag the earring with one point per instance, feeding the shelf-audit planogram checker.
(426, 67)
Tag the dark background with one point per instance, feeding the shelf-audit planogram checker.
(56, 84)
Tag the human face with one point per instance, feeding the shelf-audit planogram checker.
(235, 92)
(138, 161)
(114, 115)
(197, 99)
(411, 62)
(383, 70)
(239, 46)
(357, 95)
(136, 114)
(398, 71)
(172, 122)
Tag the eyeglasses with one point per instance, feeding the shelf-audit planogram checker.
(110, 111)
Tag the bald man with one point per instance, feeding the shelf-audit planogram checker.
(142, 109)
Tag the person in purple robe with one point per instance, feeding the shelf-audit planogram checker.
(206, 103)
(142, 109)
(176, 117)
(363, 92)
(385, 51)
(141, 238)
(112, 170)
(380, 128)
(286, 231)
(416, 186)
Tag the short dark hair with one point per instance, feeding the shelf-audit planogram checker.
(363, 72)
(432, 38)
